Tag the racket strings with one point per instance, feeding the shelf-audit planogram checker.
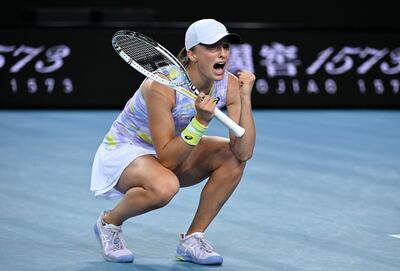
(144, 54)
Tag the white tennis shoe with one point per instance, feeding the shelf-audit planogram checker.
(112, 242)
(194, 248)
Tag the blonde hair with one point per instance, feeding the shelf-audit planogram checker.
(183, 58)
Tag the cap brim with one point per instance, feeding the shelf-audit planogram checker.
(232, 37)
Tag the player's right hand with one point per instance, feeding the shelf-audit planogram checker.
(205, 106)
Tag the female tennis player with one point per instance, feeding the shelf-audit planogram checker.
(157, 144)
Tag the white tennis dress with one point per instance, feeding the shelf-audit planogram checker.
(129, 137)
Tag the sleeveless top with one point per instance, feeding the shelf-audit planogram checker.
(132, 127)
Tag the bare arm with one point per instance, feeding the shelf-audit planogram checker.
(171, 150)
(240, 109)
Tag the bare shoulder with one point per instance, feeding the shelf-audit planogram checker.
(152, 90)
(232, 77)
(232, 93)
(233, 82)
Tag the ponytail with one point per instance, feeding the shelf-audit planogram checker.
(183, 58)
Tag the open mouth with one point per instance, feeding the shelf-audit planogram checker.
(219, 66)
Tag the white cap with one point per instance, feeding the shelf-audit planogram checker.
(207, 31)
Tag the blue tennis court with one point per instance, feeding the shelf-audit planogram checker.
(322, 192)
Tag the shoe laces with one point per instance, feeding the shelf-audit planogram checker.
(204, 245)
(116, 239)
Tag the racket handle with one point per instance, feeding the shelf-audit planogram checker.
(228, 122)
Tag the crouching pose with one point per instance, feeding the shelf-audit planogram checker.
(157, 145)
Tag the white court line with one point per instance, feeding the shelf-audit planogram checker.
(395, 235)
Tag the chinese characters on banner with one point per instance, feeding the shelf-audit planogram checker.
(281, 71)
(293, 68)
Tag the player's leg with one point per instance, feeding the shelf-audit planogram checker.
(146, 186)
(211, 158)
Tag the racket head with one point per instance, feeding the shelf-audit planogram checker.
(149, 58)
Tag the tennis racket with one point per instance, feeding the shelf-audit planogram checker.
(151, 59)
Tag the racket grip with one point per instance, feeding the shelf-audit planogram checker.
(228, 122)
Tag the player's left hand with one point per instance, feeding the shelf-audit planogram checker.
(246, 82)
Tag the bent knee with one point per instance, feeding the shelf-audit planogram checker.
(162, 192)
(237, 167)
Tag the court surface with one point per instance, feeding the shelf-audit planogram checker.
(322, 192)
